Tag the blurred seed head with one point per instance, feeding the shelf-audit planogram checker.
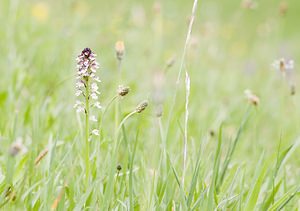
(40, 156)
(212, 133)
(119, 167)
(158, 86)
(8, 192)
(249, 4)
(293, 89)
(160, 110)
(123, 91)
(194, 42)
(120, 50)
(13, 197)
(171, 61)
(188, 20)
(142, 106)
(157, 7)
(158, 79)
(251, 97)
(283, 7)
(208, 29)
(16, 147)
(283, 64)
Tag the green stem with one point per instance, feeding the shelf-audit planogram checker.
(123, 121)
(117, 103)
(109, 187)
(119, 71)
(282, 106)
(87, 112)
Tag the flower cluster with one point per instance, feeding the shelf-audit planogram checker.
(283, 64)
(87, 83)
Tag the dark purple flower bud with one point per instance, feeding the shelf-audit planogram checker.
(86, 52)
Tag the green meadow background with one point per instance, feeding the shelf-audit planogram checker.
(231, 48)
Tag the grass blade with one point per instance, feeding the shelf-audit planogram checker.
(271, 196)
(231, 150)
(253, 194)
(183, 199)
(280, 203)
(194, 179)
(130, 173)
(197, 203)
(215, 172)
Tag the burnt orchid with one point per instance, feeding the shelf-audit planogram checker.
(87, 89)
(86, 84)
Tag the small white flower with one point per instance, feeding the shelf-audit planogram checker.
(96, 78)
(78, 92)
(95, 132)
(94, 87)
(93, 118)
(85, 62)
(77, 103)
(94, 96)
(97, 104)
(79, 109)
(94, 68)
(79, 84)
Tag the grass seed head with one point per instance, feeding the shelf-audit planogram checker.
(40, 157)
(123, 91)
(212, 133)
(293, 89)
(160, 110)
(252, 98)
(142, 106)
(283, 64)
(171, 61)
(13, 197)
(249, 4)
(8, 192)
(283, 7)
(157, 7)
(119, 167)
(16, 147)
(120, 50)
